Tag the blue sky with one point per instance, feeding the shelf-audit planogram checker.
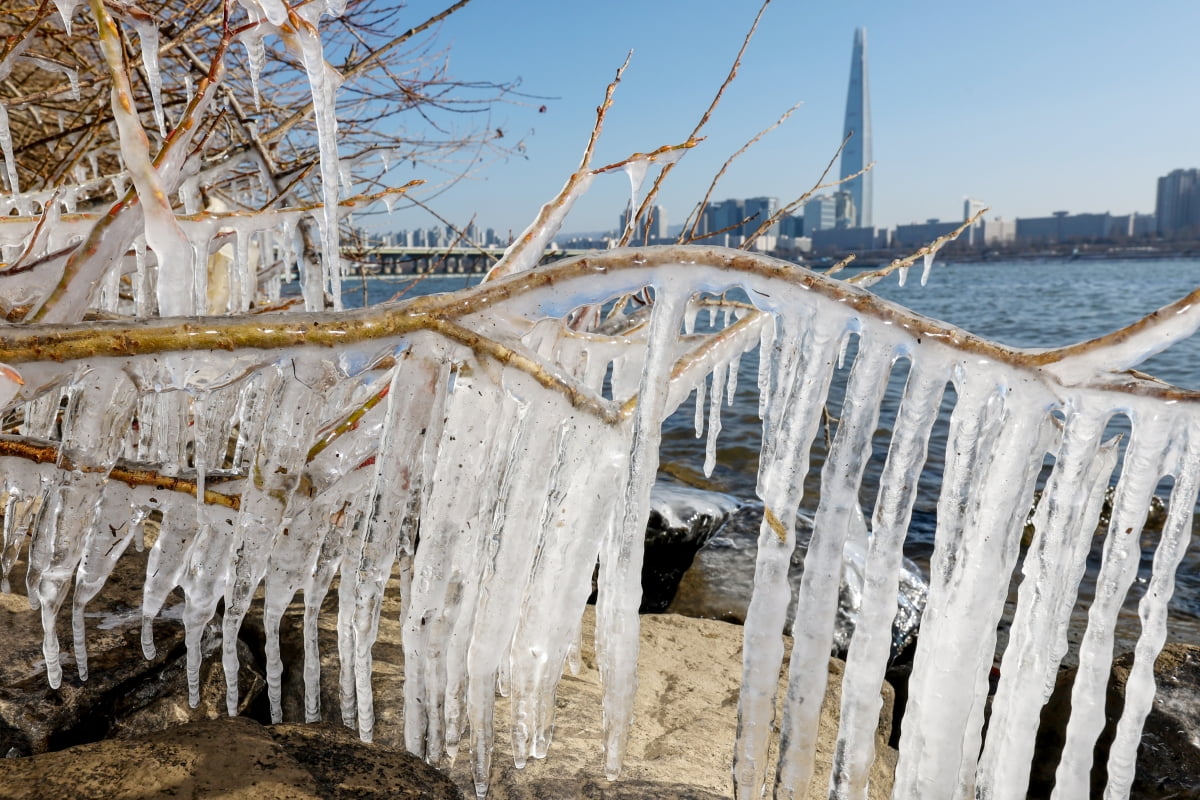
(1032, 107)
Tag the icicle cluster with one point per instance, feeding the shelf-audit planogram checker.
(516, 427)
(489, 427)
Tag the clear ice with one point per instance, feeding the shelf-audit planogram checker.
(517, 428)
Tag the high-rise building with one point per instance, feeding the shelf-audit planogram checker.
(974, 234)
(722, 222)
(820, 213)
(857, 153)
(655, 232)
(1177, 210)
(758, 210)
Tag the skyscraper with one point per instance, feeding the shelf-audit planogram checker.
(1178, 204)
(858, 122)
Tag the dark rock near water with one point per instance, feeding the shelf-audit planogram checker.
(1168, 760)
(681, 520)
(231, 759)
(720, 582)
(125, 694)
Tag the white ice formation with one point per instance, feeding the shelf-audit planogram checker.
(281, 454)
(486, 426)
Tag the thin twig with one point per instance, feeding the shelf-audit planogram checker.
(648, 201)
(699, 209)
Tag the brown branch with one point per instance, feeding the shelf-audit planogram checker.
(869, 278)
(45, 453)
(648, 201)
(363, 65)
(699, 210)
(436, 313)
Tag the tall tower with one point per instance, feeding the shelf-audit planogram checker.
(858, 121)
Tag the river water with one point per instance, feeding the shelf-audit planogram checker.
(1019, 303)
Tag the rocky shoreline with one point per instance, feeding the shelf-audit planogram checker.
(689, 674)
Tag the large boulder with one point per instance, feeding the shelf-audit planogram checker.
(124, 693)
(681, 746)
(721, 580)
(231, 759)
(1168, 759)
(689, 674)
(681, 520)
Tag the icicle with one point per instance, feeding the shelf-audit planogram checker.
(93, 435)
(451, 538)
(415, 396)
(867, 660)
(621, 553)
(548, 629)
(927, 266)
(25, 489)
(266, 503)
(323, 82)
(508, 551)
(1140, 473)
(799, 381)
(120, 519)
(256, 59)
(699, 420)
(731, 384)
(66, 10)
(816, 602)
(714, 423)
(203, 581)
(968, 583)
(1152, 610)
(6, 149)
(636, 169)
(1053, 568)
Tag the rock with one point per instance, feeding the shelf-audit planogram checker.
(346, 768)
(689, 675)
(231, 759)
(125, 693)
(721, 581)
(681, 520)
(1168, 760)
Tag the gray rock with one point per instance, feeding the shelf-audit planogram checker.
(124, 694)
(231, 759)
(1168, 760)
(721, 581)
(681, 520)
(681, 745)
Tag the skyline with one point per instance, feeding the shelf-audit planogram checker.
(1029, 109)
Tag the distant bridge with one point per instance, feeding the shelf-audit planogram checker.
(436, 260)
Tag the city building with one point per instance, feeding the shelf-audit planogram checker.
(721, 223)
(919, 234)
(820, 213)
(792, 226)
(857, 153)
(845, 211)
(657, 233)
(996, 232)
(974, 234)
(1064, 227)
(759, 210)
(1177, 207)
(842, 240)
